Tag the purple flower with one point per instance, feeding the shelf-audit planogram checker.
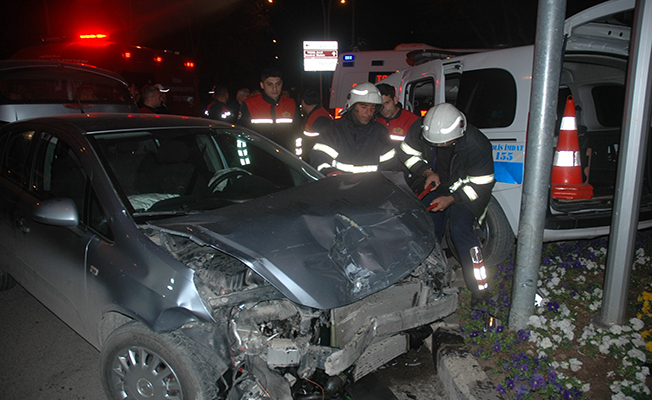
(569, 394)
(501, 389)
(522, 390)
(553, 306)
(476, 315)
(523, 367)
(537, 382)
(500, 329)
(478, 352)
(474, 333)
(510, 383)
(496, 346)
(523, 335)
(552, 377)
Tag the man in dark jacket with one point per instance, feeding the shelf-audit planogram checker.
(271, 114)
(218, 110)
(356, 142)
(456, 159)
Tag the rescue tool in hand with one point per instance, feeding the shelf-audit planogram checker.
(426, 191)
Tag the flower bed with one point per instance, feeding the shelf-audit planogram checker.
(562, 354)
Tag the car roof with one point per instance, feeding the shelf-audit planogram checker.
(23, 64)
(108, 122)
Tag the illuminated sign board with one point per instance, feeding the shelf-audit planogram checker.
(319, 55)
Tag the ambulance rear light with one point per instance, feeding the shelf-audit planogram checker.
(126, 54)
(93, 36)
(158, 59)
(189, 64)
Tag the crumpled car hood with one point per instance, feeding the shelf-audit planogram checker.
(325, 244)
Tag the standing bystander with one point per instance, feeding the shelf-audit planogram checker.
(317, 117)
(270, 113)
(218, 109)
(397, 119)
(151, 99)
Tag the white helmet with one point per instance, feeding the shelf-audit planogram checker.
(365, 92)
(443, 123)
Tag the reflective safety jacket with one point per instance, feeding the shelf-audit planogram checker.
(318, 118)
(346, 145)
(219, 111)
(274, 119)
(471, 168)
(399, 126)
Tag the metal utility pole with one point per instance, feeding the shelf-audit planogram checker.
(631, 160)
(538, 161)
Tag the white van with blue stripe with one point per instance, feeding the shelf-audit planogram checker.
(493, 89)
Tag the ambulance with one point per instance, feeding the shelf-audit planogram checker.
(375, 65)
(493, 89)
(136, 64)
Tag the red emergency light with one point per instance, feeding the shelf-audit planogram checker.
(93, 36)
(189, 64)
(158, 59)
(126, 54)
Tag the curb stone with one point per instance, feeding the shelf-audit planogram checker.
(460, 373)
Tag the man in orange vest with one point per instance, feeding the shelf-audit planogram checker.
(317, 118)
(271, 114)
(393, 115)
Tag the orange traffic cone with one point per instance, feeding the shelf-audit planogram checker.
(567, 167)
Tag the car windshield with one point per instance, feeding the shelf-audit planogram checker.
(181, 170)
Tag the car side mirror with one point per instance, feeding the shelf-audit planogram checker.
(57, 212)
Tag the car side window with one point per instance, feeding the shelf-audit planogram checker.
(14, 164)
(97, 218)
(59, 172)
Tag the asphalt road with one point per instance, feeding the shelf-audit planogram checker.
(41, 358)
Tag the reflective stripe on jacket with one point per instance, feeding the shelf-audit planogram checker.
(346, 145)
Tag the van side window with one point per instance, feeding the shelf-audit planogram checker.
(488, 97)
(420, 96)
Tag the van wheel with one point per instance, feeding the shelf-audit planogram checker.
(6, 281)
(137, 363)
(495, 233)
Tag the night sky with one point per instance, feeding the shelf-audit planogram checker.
(233, 40)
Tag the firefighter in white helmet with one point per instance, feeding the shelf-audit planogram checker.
(456, 159)
(356, 142)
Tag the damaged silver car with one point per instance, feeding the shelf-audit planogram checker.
(204, 261)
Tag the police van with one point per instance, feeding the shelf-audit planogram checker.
(493, 89)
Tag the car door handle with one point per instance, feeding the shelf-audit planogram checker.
(21, 225)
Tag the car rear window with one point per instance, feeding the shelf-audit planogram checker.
(58, 84)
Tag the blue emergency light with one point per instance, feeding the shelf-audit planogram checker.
(349, 57)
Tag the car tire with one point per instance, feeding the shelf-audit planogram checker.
(137, 363)
(6, 281)
(495, 233)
